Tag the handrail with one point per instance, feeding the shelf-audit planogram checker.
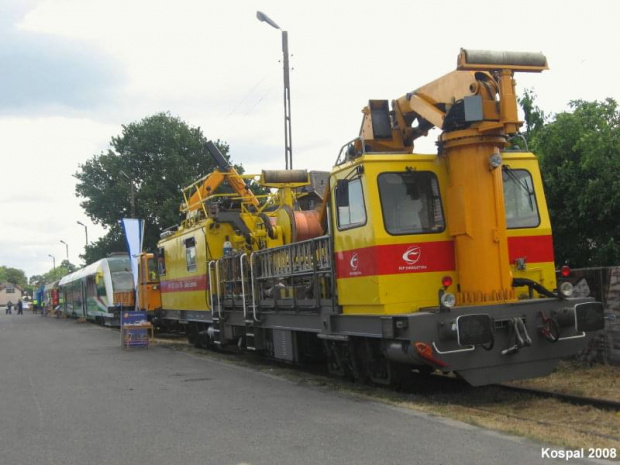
(245, 310)
(443, 352)
(217, 278)
(576, 336)
(253, 289)
(211, 262)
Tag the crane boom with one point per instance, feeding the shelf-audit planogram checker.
(478, 94)
(205, 187)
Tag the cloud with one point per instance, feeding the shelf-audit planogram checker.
(49, 74)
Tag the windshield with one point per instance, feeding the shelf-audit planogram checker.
(120, 271)
(519, 199)
(411, 203)
(122, 281)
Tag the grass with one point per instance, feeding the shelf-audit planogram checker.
(600, 381)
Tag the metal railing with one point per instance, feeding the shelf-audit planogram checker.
(297, 276)
(294, 275)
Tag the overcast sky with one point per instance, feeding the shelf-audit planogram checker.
(74, 71)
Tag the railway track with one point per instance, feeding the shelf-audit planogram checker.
(602, 404)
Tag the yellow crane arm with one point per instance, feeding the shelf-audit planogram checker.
(479, 93)
(206, 187)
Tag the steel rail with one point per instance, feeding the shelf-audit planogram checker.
(603, 404)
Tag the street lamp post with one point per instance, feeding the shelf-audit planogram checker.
(53, 261)
(67, 246)
(85, 231)
(288, 137)
(133, 194)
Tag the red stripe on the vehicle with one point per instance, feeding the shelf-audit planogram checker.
(189, 284)
(535, 249)
(421, 257)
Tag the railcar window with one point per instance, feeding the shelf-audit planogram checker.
(411, 203)
(119, 263)
(519, 199)
(101, 292)
(161, 261)
(91, 288)
(353, 214)
(190, 254)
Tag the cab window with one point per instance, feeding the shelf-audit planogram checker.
(153, 270)
(411, 203)
(519, 199)
(350, 204)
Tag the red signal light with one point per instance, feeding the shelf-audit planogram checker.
(565, 271)
(446, 281)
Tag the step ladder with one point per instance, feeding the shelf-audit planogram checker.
(214, 301)
(253, 336)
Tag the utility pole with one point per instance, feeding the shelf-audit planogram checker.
(288, 136)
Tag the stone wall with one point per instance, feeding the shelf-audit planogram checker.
(604, 285)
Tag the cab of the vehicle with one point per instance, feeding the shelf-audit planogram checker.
(394, 246)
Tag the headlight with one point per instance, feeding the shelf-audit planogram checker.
(495, 161)
(447, 300)
(566, 289)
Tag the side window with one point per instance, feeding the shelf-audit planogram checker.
(161, 261)
(190, 254)
(410, 203)
(100, 285)
(153, 269)
(350, 204)
(519, 199)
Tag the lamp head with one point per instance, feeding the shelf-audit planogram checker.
(263, 17)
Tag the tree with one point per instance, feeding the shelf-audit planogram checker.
(113, 241)
(160, 154)
(36, 280)
(579, 153)
(534, 117)
(66, 264)
(13, 276)
(59, 272)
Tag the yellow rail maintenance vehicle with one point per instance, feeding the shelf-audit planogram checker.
(411, 262)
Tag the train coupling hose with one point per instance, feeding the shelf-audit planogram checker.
(550, 329)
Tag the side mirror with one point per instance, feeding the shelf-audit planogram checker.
(342, 193)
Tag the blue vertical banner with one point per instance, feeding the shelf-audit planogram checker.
(134, 237)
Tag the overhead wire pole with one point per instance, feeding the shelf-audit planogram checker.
(288, 136)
